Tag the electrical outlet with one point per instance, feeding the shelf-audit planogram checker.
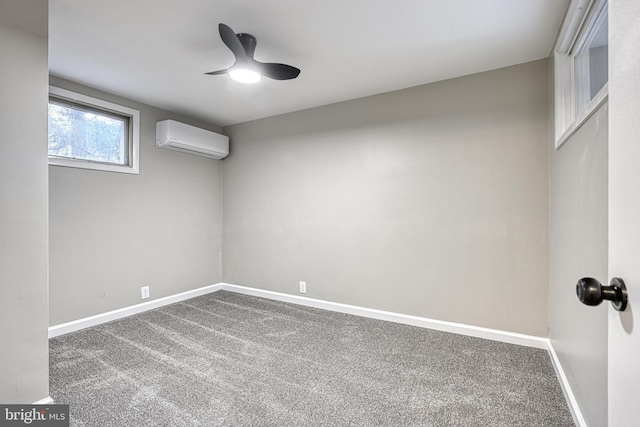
(144, 291)
(303, 287)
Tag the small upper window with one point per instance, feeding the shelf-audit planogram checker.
(90, 133)
(581, 66)
(591, 60)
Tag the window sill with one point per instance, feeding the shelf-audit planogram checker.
(594, 105)
(80, 164)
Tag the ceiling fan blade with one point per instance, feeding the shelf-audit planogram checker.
(276, 71)
(230, 39)
(215, 73)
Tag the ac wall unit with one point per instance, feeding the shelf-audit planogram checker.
(188, 139)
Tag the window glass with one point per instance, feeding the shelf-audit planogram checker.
(82, 133)
(599, 60)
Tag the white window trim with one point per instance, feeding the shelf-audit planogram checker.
(134, 132)
(581, 17)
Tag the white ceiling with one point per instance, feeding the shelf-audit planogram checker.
(156, 51)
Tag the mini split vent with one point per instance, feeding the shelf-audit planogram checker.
(177, 136)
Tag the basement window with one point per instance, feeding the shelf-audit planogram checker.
(581, 71)
(90, 133)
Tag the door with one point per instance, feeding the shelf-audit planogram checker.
(624, 210)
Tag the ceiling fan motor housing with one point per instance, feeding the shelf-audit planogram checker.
(248, 43)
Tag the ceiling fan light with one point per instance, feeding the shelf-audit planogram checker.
(245, 75)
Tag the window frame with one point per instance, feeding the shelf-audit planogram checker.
(109, 108)
(583, 18)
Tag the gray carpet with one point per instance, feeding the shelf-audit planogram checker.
(226, 359)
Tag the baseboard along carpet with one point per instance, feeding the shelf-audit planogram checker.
(226, 359)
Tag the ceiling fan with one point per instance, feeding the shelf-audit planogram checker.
(246, 69)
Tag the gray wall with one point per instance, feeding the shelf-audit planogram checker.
(112, 233)
(430, 201)
(24, 364)
(578, 248)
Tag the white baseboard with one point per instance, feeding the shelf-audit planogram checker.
(566, 388)
(46, 401)
(87, 322)
(440, 325)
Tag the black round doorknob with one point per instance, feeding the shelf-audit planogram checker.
(591, 292)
